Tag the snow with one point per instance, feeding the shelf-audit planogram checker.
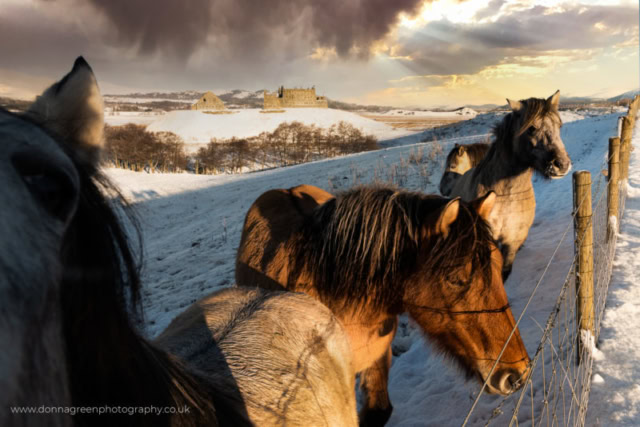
(191, 227)
(198, 127)
(615, 397)
(434, 114)
(242, 94)
(120, 118)
(131, 100)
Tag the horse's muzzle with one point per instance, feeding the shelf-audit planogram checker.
(558, 168)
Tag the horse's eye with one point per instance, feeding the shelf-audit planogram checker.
(531, 130)
(458, 283)
(54, 189)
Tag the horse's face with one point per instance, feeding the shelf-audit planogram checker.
(458, 163)
(39, 195)
(466, 312)
(540, 142)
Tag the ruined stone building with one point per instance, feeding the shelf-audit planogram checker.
(209, 101)
(294, 98)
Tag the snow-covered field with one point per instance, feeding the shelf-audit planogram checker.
(120, 118)
(191, 227)
(467, 112)
(199, 127)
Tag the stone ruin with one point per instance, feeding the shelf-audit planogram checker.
(294, 98)
(208, 102)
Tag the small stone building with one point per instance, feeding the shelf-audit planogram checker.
(294, 98)
(209, 101)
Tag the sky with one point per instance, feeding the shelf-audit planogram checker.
(403, 53)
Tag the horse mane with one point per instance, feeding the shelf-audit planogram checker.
(108, 362)
(368, 242)
(515, 124)
(476, 152)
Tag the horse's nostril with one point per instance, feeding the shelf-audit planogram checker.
(507, 381)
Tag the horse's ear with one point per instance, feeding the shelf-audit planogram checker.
(456, 145)
(515, 105)
(73, 109)
(483, 205)
(448, 216)
(554, 100)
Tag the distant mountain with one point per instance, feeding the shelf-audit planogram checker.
(629, 95)
(483, 107)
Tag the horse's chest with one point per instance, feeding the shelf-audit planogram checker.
(512, 218)
(369, 340)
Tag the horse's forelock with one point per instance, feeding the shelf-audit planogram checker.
(363, 241)
(367, 242)
(469, 241)
(533, 110)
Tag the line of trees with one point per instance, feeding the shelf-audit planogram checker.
(289, 144)
(133, 147)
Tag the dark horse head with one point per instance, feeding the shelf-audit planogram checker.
(533, 130)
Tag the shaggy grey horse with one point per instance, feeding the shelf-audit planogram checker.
(527, 140)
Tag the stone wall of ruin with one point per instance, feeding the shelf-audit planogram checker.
(294, 98)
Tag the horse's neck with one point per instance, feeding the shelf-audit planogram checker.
(503, 174)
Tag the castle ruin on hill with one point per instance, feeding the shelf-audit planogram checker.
(209, 101)
(294, 98)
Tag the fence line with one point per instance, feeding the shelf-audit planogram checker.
(556, 393)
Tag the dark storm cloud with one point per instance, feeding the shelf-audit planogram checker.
(443, 47)
(250, 26)
(28, 40)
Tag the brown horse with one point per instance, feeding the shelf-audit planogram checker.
(459, 160)
(69, 286)
(527, 140)
(372, 253)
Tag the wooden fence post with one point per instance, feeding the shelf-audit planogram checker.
(625, 147)
(584, 248)
(612, 193)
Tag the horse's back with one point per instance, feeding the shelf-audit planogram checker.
(280, 356)
(271, 221)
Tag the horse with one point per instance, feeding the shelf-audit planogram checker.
(374, 252)
(527, 140)
(70, 299)
(459, 160)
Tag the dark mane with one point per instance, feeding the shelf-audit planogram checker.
(515, 124)
(476, 152)
(109, 364)
(369, 240)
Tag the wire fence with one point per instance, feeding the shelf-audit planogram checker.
(556, 393)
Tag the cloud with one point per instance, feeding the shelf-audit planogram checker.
(179, 28)
(443, 47)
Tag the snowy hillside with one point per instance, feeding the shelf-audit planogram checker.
(191, 227)
(199, 127)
